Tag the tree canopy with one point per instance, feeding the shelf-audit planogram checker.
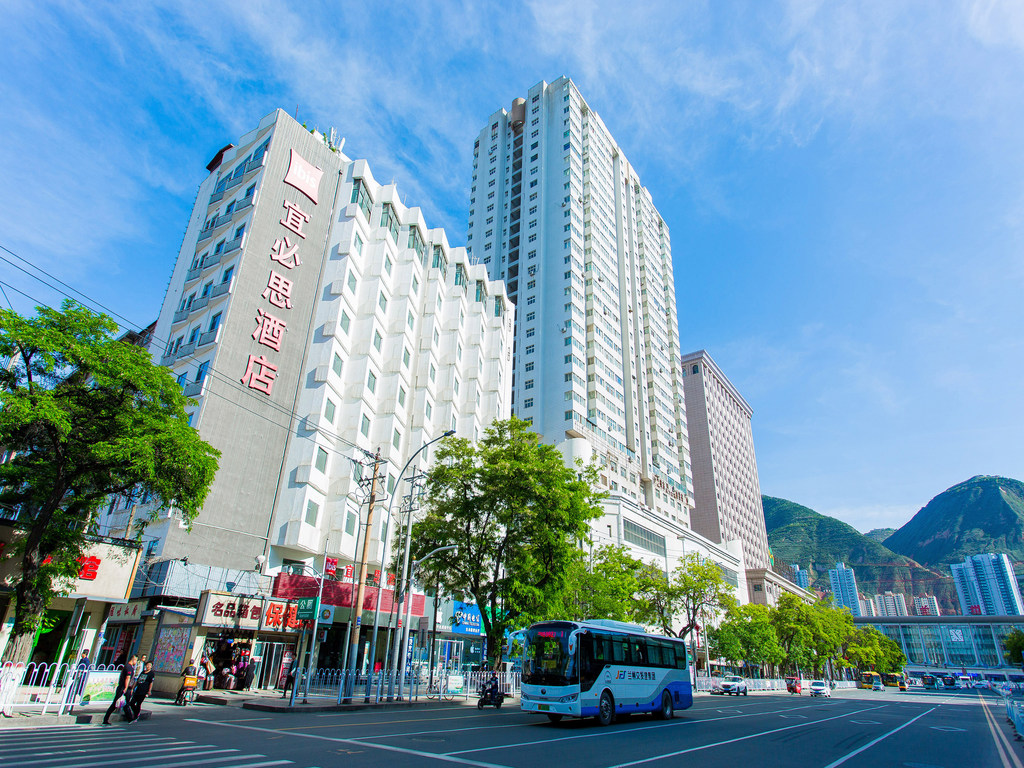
(601, 584)
(516, 512)
(695, 593)
(85, 415)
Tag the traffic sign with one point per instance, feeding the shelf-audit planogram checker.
(307, 608)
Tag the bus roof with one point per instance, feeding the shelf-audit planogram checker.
(609, 625)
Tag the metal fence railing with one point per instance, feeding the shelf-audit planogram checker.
(27, 687)
(705, 684)
(358, 686)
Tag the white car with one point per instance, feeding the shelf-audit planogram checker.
(820, 688)
(733, 684)
(981, 684)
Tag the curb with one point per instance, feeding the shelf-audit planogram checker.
(260, 706)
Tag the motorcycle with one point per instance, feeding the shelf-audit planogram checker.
(488, 697)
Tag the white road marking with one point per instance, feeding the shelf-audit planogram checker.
(739, 738)
(870, 744)
(337, 740)
(615, 731)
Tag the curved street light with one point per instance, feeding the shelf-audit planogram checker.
(408, 610)
(384, 547)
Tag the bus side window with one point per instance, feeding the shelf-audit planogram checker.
(620, 650)
(640, 656)
(654, 653)
(681, 661)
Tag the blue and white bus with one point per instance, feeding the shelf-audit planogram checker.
(602, 668)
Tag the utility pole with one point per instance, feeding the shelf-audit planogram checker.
(357, 606)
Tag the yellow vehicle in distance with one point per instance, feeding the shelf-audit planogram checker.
(896, 680)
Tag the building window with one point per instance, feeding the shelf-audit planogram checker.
(528, 402)
(382, 302)
(528, 367)
(371, 382)
(364, 426)
(529, 349)
(337, 364)
(405, 357)
(357, 244)
(361, 196)
(312, 512)
(530, 333)
(352, 281)
(321, 460)
(329, 410)
(389, 220)
(378, 340)
(396, 439)
(401, 396)
(346, 321)
(528, 384)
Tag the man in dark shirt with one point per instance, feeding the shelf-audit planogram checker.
(140, 691)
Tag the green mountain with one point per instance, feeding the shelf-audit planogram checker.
(800, 535)
(983, 514)
(880, 534)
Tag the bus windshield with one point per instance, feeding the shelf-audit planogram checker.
(546, 657)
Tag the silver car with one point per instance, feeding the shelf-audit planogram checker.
(820, 688)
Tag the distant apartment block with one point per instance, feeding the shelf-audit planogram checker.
(801, 576)
(890, 604)
(867, 607)
(844, 588)
(726, 491)
(926, 605)
(986, 586)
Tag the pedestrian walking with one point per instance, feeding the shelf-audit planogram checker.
(124, 684)
(140, 690)
(81, 671)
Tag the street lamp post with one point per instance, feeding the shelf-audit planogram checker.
(384, 544)
(316, 624)
(408, 610)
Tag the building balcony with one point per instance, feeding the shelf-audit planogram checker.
(234, 245)
(208, 338)
(216, 197)
(244, 204)
(255, 164)
(167, 359)
(234, 182)
(221, 289)
(195, 389)
(199, 304)
(186, 350)
(193, 273)
(212, 259)
(180, 316)
(205, 235)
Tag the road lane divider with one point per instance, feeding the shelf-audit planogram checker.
(872, 743)
(1003, 746)
(742, 738)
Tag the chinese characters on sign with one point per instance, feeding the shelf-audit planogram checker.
(261, 373)
(232, 611)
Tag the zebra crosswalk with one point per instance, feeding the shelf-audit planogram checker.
(90, 747)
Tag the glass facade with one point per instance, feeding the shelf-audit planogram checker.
(950, 644)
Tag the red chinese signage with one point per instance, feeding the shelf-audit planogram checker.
(260, 371)
(340, 593)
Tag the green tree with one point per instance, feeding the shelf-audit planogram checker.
(516, 512)
(598, 585)
(695, 594)
(84, 415)
(869, 649)
(829, 628)
(793, 624)
(747, 634)
(1014, 643)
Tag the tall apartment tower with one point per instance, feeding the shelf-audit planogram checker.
(801, 576)
(727, 493)
(559, 214)
(890, 604)
(987, 586)
(926, 605)
(844, 588)
(317, 322)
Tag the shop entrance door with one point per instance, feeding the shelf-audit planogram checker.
(273, 660)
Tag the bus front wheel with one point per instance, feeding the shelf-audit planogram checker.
(606, 709)
(554, 717)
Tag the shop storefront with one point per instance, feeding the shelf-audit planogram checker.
(123, 631)
(76, 620)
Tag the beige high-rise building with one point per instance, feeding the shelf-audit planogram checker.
(726, 491)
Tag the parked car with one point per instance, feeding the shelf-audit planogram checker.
(820, 688)
(878, 686)
(981, 684)
(734, 684)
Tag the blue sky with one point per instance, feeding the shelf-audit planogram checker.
(843, 182)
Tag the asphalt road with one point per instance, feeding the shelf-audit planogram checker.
(855, 729)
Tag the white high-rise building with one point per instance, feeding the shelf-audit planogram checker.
(987, 586)
(559, 214)
(727, 493)
(844, 588)
(890, 604)
(926, 605)
(317, 321)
